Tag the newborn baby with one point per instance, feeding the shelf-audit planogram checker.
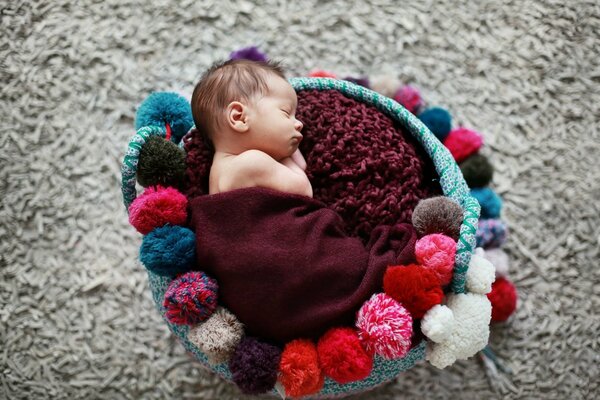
(246, 111)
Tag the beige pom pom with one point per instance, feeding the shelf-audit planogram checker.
(387, 85)
(218, 336)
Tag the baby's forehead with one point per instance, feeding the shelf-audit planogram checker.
(281, 89)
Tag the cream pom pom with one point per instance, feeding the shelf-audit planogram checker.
(387, 85)
(218, 336)
(480, 275)
(438, 323)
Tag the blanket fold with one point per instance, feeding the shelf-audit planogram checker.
(284, 264)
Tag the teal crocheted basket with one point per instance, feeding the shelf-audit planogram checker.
(452, 184)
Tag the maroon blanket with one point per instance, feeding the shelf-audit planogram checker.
(283, 263)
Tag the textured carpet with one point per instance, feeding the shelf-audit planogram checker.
(76, 316)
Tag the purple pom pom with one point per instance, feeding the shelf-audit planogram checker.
(254, 366)
(190, 299)
(248, 53)
(362, 81)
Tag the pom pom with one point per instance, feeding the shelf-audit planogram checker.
(161, 108)
(503, 298)
(190, 299)
(254, 366)
(462, 143)
(491, 203)
(490, 233)
(362, 81)
(251, 53)
(168, 250)
(416, 288)
(157, 207)
(499, 259)
(437, 252)
(477, 171)
(480, 274)
(320, 73)
(438, 121)
(218, 336)
(342, 357)
(299, 370)
(161, 162)
(438, 323)
(387, 85)
(438, 215)
(384, 327)
(410, 98)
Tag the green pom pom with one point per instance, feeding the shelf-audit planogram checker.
(477, 170)
(161, 162)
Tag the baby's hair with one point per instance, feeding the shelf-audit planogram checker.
(224, 82)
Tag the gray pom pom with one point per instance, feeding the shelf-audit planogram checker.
(438, 215)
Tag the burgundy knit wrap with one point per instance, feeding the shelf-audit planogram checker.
(359, 162)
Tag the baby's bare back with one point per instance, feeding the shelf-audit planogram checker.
(255, 168)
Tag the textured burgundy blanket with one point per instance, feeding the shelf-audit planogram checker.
(284, 264)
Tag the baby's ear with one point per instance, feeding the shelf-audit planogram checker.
(237, 116)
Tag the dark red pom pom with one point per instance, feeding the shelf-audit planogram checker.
(415, 287)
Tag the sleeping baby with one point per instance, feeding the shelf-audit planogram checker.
(284, 264)
(246, 110)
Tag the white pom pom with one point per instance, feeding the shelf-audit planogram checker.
(387, 85)
(480, 275)
(437, 324)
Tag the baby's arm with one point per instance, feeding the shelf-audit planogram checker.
(255, 168)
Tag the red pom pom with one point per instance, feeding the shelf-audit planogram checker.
(416, 288)
(299, 370)
(157, 207)
(190, 298)
(342, 357)
(503, 298)
(462, 143)
(319, 73)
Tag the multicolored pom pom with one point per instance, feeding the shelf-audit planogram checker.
(438, 215)
(169, 250)
(437, 252)
(342, 356)
(251, 53)
(410, 98)
(438, 120)
(156, 207)
(254, 366)
(462, 143)
(190, 298)
(299, 370)
(384, 327)
(218, 336)
(321, 73)
(491, 233)
(491, 203)
(416, 288)
(503, 298)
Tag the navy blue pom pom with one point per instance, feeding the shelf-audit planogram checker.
(168, 250)
(490, 202)
(254, 366)
(166, 107)
(438, 120)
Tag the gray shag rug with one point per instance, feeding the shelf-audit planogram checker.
(76, 316)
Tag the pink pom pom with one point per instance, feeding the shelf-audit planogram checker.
(410, 98)
(462, 143)
(320, 73)
(437, 252)
(384, 327)
(157, 207)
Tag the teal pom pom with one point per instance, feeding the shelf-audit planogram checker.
(490, 202)
(168, 250)
(166, 107)
(438, 120)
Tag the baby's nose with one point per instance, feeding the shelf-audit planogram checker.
(299, 125)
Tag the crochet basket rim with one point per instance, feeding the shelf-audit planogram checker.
(453, 186)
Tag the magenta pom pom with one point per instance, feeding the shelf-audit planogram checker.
(190, 299)
(462, 143)
(437, 252)
(410, 98)
(384, 327)
(157, 207)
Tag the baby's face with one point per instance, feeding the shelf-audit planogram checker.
(273, 125)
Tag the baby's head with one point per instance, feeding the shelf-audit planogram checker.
(240, 105)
